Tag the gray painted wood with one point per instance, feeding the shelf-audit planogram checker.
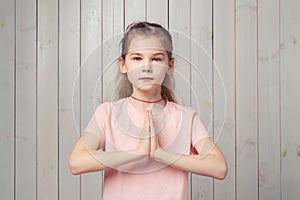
(7, 106)
(69, 105)
(25, 140)
(113, 26)
(246, 101)
(179, 25)
(201, 88)
(224, 93)
(290, 98)
(47, 100)
(158, 12)
(135, 10)
(268, 100)
(90, 93)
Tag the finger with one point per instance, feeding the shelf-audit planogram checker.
(150, 132)
(145, 129)
(147, 120)
(151, 125)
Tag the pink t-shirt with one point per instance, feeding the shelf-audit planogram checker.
(118, 125)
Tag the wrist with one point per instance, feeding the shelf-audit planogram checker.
(140, 152)
(158, 155)
(166, 157)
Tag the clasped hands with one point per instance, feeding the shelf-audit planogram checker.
(148, 140)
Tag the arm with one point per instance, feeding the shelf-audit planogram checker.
(86, 157)
(209, 161)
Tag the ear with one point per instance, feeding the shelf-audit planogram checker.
(122, 65)
(171, 66)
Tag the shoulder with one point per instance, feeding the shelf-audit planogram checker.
(186, 110)
(107, 106)
(183, 112)
(103, 107)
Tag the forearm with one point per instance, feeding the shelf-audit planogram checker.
(92, 160)
(210, 165)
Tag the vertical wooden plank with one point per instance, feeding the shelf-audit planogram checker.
(180, 29)
(290, 98)
(157, 12)
(246, 100)
(179, 25)
(7, 89)
(113, 26)
(25, 100)
(47, 101)
(113, 18)
(201, 81)
(69, 63)
(268, 99)
(224, 95)
(91, 37)
(135, 10)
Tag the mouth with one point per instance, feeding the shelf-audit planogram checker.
(146, 79)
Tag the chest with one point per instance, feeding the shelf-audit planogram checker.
(174, 134)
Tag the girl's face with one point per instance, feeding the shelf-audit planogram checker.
(146, 63)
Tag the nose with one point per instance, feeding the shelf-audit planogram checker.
(147, 70)
(147, 67)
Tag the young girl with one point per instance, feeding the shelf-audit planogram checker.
(144, 141)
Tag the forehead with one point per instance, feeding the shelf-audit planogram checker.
(139, 43)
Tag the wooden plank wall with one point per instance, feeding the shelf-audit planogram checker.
(238, 61)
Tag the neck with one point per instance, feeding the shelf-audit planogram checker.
(147, 96)
(146, 101)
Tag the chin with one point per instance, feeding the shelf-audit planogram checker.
(149, 87)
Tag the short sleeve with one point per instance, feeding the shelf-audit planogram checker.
(199, 132)
(97, 124)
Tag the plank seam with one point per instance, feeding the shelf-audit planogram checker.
(101, 82)
(36, 97)
(14, 103)
(57, 100)
(79, 87)
(257, 100)
(235, 99)
(212, 84)
(145, 8)
(280, 97)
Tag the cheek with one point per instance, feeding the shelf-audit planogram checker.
(130, 78)
(161, 78)
(132, 74)
(161, 73)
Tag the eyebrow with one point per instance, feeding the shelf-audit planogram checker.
(140, 54)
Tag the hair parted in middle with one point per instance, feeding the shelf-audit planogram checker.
(144, 28)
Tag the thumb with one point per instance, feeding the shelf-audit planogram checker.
(146, 120)
(146, 127)
(151, 125)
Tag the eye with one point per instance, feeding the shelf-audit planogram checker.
(157, 59)
(136, 58)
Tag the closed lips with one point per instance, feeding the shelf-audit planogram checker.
(145, 78)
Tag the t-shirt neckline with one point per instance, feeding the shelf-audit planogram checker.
(135, 110)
